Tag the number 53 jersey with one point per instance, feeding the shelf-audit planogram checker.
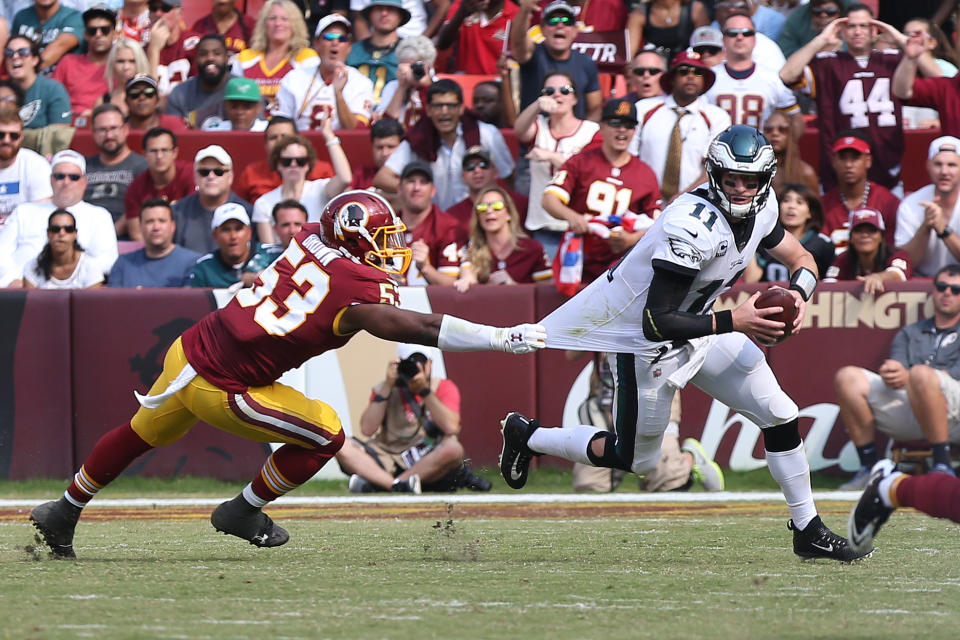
(691, 236)
(289, 315)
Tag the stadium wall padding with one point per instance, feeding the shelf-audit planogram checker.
(72, 359)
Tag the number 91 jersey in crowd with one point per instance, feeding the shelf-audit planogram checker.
(289, 315)
(690, 236)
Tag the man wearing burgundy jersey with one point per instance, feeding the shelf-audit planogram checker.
(432, 235)
(172, 51)
(604, 182)
(331, 282)
(852, 89)
(851, 159)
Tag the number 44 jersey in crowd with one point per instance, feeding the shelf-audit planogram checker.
(289, 315)
(691, 236)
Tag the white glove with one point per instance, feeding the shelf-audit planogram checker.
(523, 338)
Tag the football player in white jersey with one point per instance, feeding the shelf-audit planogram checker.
(749, 92)
(652, 313)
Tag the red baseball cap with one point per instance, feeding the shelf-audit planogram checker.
(851, 142)
(866, 216)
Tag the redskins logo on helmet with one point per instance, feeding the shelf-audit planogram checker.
(363, 226)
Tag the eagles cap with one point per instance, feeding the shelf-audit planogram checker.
(229, 211)
(620, 110)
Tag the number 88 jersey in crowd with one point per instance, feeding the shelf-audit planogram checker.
(692, 237)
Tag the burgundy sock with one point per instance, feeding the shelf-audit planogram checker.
(110, 456)
(287, 468)
(936, 494)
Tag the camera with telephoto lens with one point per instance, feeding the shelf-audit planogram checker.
(408, 367)
(418, 70)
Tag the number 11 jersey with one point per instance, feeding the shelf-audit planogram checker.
(692, 237)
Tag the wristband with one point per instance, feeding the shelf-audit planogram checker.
(423, 394)
(379, 398)
(946, 232)
(457, 334)
(333, 142)
(804, 281)
(724, 321)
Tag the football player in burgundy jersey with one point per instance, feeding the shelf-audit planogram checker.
(332, 281)
(852, 89)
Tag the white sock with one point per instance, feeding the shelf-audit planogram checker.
(252, 498)
(883, 488)
(569, 443)
(792, 472)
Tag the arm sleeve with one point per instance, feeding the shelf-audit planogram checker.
(662, 318)
(773, 238)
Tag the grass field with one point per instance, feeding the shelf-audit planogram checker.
(413, 570)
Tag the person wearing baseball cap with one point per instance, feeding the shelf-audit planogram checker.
(378, 52)
(852, 157)
(479, 173)
(676, 129)
(143, 106)
(708, 42)
(869, 258)
(242, 107)
(238, 258)
(558, 26)
(213, 175)
(25, 230)
(572, 198)
(928, 219)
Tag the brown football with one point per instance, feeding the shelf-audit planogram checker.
(779, 297)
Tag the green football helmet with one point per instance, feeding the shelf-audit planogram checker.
(743, 150)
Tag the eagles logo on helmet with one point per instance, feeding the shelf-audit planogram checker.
(743, 150)
(363, 227)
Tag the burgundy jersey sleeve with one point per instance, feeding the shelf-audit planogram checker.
(527, 262)
(289, 315)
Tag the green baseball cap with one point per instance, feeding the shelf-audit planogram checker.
(242, 89)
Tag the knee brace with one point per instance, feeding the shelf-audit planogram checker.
(610, 459)
(782, 437)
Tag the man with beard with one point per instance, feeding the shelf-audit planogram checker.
(202, 96)
(331, 89)
(82, 75)
(676, 129)
(24, 174)
(111, 171)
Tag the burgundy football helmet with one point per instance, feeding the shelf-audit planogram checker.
(363, 226)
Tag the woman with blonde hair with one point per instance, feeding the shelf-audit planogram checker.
(127, 59)
(62, 264)
(499, 252)
(279, 43)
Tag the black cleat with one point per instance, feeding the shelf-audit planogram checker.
(870, 513)
(410, 485)
(465, 478)
(56, 521)
(817, 541)
(249, 523)
(516, 455)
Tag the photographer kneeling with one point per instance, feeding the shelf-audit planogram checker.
(412, 423)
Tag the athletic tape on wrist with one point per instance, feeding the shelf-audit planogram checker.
(804, 281)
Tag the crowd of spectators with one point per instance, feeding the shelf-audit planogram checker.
(436, 84)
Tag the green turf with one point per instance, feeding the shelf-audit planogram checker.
(716, 576)
(544, 480)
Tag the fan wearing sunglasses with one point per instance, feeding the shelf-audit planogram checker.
(45, 101)
(82, 74)
(213, 175)
(25, 172)
(293, 157)
(143, 107)
(806, 21)
(56, 27)
(499, 252)
(558, 26)
(26, 231)
(553, 133)
(331, 89)
(62, 263)
(913, 394)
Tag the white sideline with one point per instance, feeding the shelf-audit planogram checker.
(469, 498)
